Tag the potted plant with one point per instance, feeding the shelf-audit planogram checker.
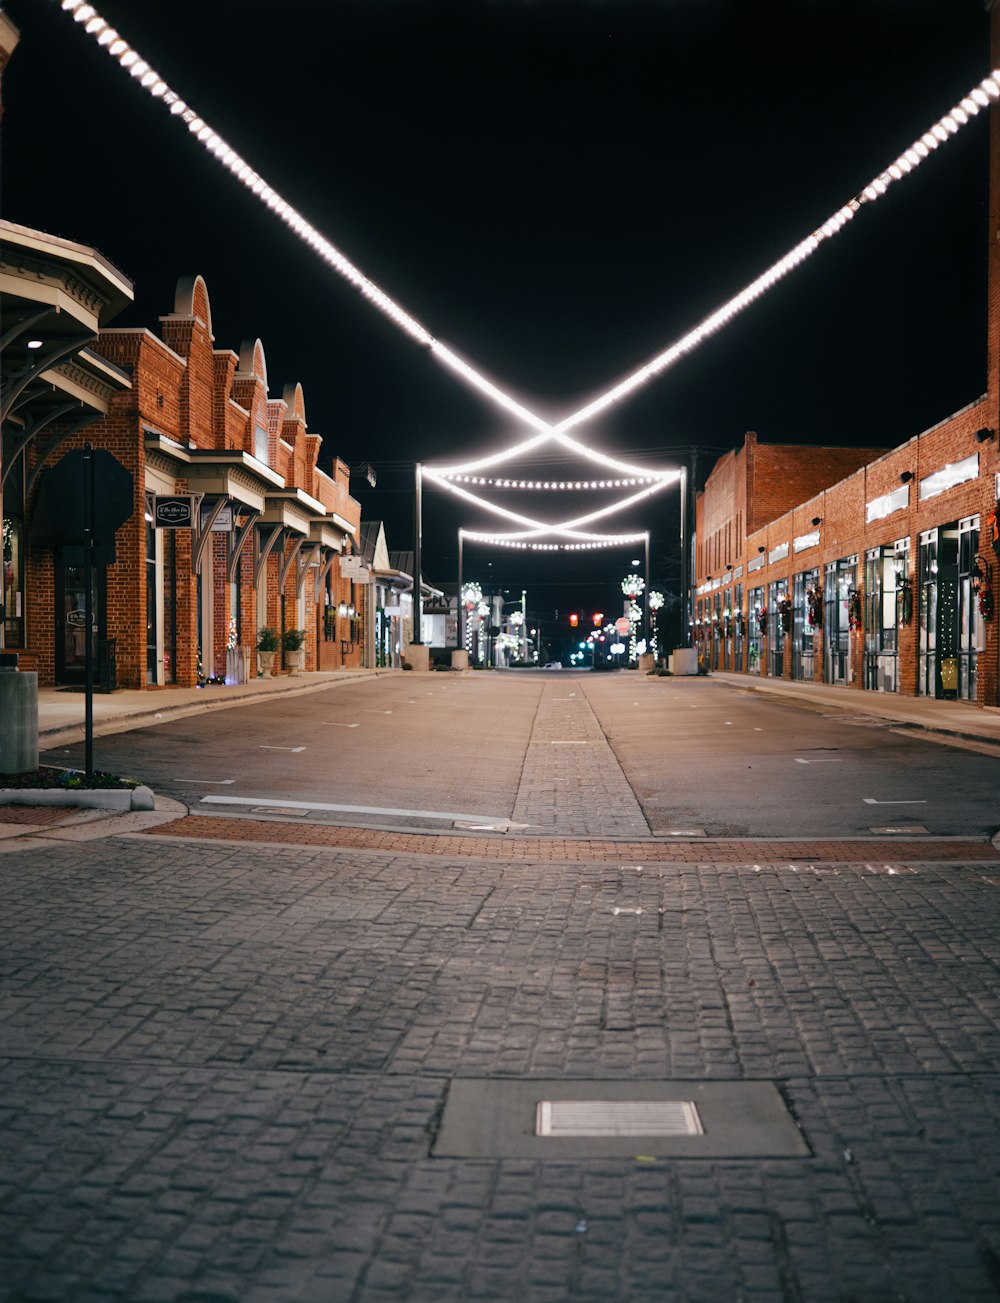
(267, 647)
(293, 645)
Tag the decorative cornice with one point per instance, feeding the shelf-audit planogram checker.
(29, 267)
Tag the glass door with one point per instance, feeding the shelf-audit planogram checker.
(839, 583)
(776, 620)
(969, 620)
(803, 624)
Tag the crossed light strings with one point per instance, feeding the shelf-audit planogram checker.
(979, 97)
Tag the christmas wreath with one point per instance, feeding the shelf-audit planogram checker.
(854, 609)
(985, 594)
(993, 528)
(814, 607)
(905, 586)
(785, 612)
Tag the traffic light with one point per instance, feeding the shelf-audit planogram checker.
(574, 620)
(598, 619)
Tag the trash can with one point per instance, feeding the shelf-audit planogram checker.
(19, 712)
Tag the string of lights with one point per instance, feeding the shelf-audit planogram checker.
(568, 528)
(554, 485)
(512, 541)
(938, 134)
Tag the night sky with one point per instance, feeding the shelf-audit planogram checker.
(556, 188)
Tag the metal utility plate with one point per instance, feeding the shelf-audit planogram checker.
(498, 1118)
(898, 830)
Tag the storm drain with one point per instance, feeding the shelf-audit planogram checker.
(505, 1118)
(580, 1117)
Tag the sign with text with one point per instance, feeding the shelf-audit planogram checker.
(173, 512)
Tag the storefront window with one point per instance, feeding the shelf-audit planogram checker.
(886, 579)
(970, 631)
(756, 619)
(927, 653)
(839, 585)
(804, 618)
(13, 581)
(777, 630)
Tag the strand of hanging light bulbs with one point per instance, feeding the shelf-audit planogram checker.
(550, 484)
(568, 528)
(947, 126)
(505, 540)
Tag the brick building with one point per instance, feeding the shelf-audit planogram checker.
(878, 575)
(234, 526)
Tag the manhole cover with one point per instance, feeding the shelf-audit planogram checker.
(585, 1117)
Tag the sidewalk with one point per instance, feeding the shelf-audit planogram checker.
(960, 719)
(61, 712)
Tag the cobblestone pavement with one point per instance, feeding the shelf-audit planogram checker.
(223, 1066)
(572, 782)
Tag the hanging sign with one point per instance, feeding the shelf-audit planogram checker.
(173, 512)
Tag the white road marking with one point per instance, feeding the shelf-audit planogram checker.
(821, 760)
(206, 782)
(378, 712)
(870, 800)
(334, 724)
(757, 730)
(270, 748)
(354, 809)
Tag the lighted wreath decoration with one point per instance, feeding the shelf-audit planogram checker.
(905, 586)
(854, 609)
(814, 607)
(985, 594)
(993, 528)
(785, 612)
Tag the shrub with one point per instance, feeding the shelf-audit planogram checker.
(292, 640)
(267, 640)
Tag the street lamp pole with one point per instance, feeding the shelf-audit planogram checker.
(685, 627)
(646, 590)
(459, 600)
(417, 542)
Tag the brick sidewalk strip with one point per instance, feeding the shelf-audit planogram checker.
(36, 815)
(584, 849)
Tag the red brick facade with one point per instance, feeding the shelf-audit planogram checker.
(880, 575)
(198, 420)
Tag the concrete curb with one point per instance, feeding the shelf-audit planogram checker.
(118, 799)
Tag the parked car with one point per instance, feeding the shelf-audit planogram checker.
(552, 665)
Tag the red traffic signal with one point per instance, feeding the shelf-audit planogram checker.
(574, 620)
(598, 619)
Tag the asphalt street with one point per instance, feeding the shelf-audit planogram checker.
(237, 1069)
(643, 755)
